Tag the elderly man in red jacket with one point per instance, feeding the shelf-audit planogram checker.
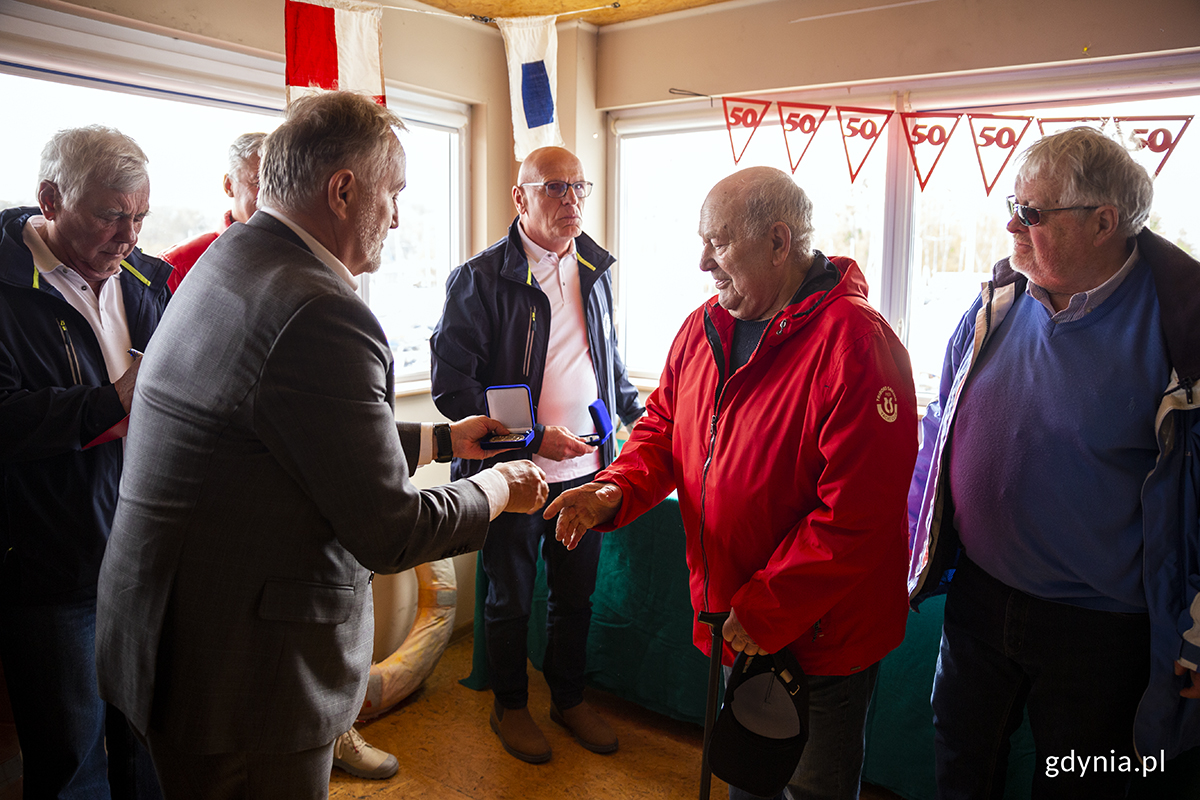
(785, 418)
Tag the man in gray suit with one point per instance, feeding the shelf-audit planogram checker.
(266, 477)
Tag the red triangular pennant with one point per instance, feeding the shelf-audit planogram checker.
(1058, 124)
(929, 139)
(1150, 140)
(743, 115)
(995, 143)
(800, 123)
(860, 131)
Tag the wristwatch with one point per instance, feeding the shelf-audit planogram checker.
(443, 446)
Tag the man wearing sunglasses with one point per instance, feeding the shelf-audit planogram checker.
(1055, 498)
(536, 308)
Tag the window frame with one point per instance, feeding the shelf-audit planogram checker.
(47, 44)
(1018, 90)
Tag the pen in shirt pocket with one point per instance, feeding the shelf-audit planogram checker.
(136, 353)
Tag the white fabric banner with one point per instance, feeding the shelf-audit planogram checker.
(531, 44)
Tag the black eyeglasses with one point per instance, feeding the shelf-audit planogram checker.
(557, 189)
(1030, 216)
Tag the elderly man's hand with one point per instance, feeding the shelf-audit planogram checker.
(527, 488)
(124, 384)
(582, 508)
(737, 637)
(559, 444)
(466, 433)
(1192, 691)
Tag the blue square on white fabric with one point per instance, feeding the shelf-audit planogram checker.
(535, 94)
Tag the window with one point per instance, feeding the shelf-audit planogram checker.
(924, 253)
(959, 233)
(187, 145)
(408, 291)
(663, 182)
(184, 103)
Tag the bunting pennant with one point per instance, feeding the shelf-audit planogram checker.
(860, 131)
(927, 138)
(1052, 125)
(333, 44)
(996, 139)
(743, 115)
(799, 124)
(1150, 140)
(531, 46)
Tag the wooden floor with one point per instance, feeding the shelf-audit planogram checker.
(447, 751)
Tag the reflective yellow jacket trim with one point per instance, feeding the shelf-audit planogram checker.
(135, 273)
(36, 282)
(583, 261)
(529, 273)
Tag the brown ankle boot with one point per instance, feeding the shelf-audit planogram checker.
(519, 734)
(588, 728)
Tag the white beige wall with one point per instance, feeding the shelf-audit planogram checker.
(743, 47)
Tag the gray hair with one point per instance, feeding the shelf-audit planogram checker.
(78, 158)
(1090, 169)
(245, 148)
(778, 198)
(322, 134)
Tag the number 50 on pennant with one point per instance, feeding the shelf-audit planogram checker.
(800, 122)
(742, 118)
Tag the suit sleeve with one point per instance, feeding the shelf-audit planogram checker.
(859, 520)
(323, 411)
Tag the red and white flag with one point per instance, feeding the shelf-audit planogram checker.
(333, 44)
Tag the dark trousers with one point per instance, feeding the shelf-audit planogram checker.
(830, 767)
(64, 728)
(1080, 673)
(510, 557)
(241, 776)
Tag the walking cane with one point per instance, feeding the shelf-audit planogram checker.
(715, 620)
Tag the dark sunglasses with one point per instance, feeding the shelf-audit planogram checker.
(1030, 216)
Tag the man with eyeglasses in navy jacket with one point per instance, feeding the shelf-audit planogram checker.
(536, 308)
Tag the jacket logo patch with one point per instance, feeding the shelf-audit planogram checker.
(885, 403)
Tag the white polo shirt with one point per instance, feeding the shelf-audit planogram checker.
(104, 313)
(568, 383)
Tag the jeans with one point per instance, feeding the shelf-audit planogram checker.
(49, 655)
(1080, 672)
(510, 561)
(831, 766)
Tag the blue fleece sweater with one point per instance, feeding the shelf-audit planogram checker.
(1055, 436)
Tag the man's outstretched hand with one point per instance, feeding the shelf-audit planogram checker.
(582, 508)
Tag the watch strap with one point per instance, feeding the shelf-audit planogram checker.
(443, 445)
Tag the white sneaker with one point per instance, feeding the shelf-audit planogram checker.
(352, 753)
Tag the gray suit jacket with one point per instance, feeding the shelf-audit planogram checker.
(265, 478)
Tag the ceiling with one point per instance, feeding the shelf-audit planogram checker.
(629, 9)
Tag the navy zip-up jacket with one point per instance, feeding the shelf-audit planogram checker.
(56, 498)
(495, 331)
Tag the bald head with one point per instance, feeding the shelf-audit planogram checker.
(756, 227)
(551, 222)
